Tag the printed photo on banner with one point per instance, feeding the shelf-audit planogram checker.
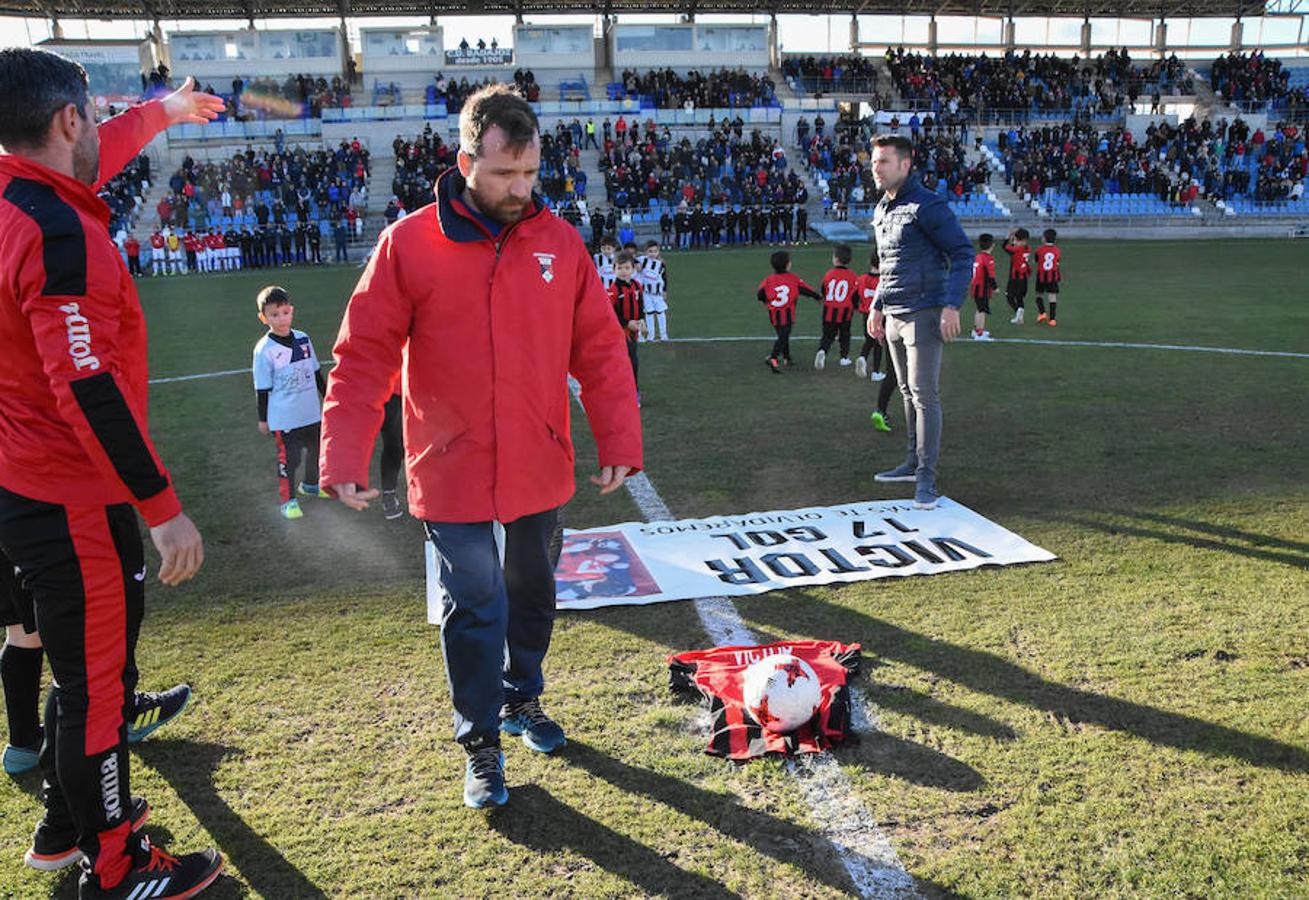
(653, 562)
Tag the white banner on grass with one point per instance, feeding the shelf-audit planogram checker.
(652, 562)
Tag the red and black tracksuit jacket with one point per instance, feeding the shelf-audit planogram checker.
(76, 464)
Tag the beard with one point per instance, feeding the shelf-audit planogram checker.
(506, 211)
(86, 156)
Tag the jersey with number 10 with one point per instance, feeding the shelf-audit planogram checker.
(840, 290)
(779, 293)
(1047, 263)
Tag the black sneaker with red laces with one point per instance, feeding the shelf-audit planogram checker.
(157, 875)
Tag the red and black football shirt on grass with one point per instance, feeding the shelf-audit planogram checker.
(716, 676)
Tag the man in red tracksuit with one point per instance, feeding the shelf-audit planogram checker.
(76, 459)
(485, 302)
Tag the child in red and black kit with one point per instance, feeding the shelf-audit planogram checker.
(983, 285)
(839, 294)
(778, 292)
(866, 287)
(1048, 277)
(625, 295)
(1020, 267)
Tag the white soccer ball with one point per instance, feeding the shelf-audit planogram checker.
(781, 692)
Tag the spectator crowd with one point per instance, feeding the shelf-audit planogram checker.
(1024, 83)
(715, 89)
(1253, 82)
(1177, 164)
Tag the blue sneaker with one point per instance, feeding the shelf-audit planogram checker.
(906, 471)
(20, 759)
(484, 775)
(155, 710)
(539, 731)
(926, 496)
(310, 490)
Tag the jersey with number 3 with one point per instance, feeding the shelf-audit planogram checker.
(1047, 263)
(779, 293)
(840, 291)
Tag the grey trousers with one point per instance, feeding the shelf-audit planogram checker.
(915, 344)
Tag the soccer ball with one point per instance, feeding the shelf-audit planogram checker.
(781, 692)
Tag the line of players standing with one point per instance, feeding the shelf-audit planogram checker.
(173, 253)
(781, 223)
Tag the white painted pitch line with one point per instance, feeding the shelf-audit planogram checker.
(865, 852)
(1112, 345)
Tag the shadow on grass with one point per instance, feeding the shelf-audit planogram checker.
(189, 767)
(536, 820)
(928, 709)
(782, 840)
(987, 673)
(1201, 536)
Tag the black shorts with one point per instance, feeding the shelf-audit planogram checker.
(1047, 287)
(1016, 289)
(16, 607)
(983, 302)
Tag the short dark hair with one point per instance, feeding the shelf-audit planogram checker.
(1050, 235)
(873, 261)
(34, 85)
(625, 258)
(496, 104)
(1022, 234)
(608, 241)
(985, 241)
(651, 243)
(273, 295)
(779, 261)
(630, 246)
(902, 145)
(842, 254)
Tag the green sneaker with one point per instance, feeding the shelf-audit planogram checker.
(292, 510)
(879, 422)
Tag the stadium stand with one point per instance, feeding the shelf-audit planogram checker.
(716, 89)
(838, 163)
(124, 194)
(1021, 86)
(830, 74)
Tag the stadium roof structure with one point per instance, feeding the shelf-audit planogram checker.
(253, 9)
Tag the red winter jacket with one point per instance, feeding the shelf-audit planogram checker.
(484, 332)
(73, 369)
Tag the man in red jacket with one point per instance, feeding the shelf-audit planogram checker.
(76, 459)
(485, 302)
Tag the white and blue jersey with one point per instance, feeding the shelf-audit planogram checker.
(287, 368)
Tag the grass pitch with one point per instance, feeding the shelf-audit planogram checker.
(1127, 721)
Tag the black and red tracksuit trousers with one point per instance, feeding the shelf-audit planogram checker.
(85, 568)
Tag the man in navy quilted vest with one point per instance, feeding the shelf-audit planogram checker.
(926, 264)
